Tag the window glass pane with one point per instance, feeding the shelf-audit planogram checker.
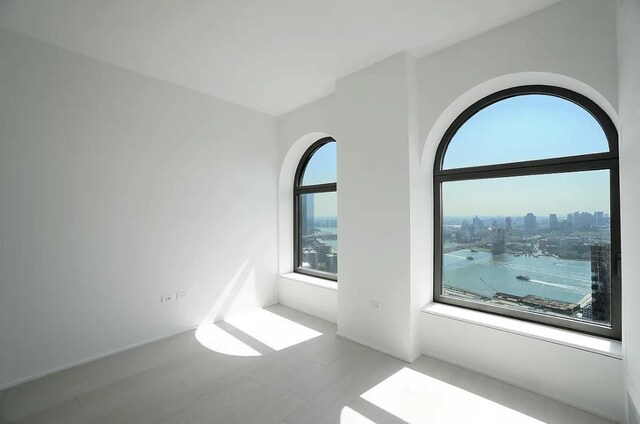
(537, 243)
(522, 128)
(321, 167)
(319, 232)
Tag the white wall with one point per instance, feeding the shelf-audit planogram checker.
(302, 293)
(373, 198)
(629, 71)
(584, 379)
(297, 131)
(386, 151)
(116, 188)
(572, 44)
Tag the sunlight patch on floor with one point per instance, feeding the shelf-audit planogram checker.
(417, 398)
(272, 330)
(216, 339)
(349, 416)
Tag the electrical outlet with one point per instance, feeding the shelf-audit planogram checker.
(375, 305)
(181, 294)
(165, 298)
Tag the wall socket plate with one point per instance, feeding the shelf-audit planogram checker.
(165, 298)
(375, 305)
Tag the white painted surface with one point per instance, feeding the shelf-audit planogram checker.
(297, 131)
(232, 377)
(587, 380)
(575, 39)
(629, 74)
(272, 56)
(373, 198)
(310, 295)
(586, 342)
(572, 45)
(115, 189)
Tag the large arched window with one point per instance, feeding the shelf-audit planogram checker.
(527, 210)
(315, 212)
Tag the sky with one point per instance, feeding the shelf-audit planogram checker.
(541, 195)
(519, 128)
(522, 128)
(321, 168)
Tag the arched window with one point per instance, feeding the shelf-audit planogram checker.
(315, 212)
(527, 210)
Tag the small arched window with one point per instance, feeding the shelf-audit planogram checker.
(527, 210)
(316, 212)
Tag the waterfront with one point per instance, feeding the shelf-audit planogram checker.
(486, 274)
(333, 242)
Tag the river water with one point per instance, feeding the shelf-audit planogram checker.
(559, 279)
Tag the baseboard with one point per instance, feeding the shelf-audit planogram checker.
(633, 403)
(6, 386)
(90, 359)
(448, 361)
(297, 308)
(371, 346)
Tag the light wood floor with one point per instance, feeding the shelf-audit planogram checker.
(325, 379)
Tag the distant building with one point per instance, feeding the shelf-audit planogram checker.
(598, 218)
(601, 282)
(553, 221)
(477, 223)
(310, 259)
(586, 220)
(331, 262)
(507, 223)
(307, 226)
(576, 220)
(530, 223)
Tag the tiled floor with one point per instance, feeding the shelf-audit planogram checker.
(294, 370)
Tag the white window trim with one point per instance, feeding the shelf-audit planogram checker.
(586, 342)
(311, 280)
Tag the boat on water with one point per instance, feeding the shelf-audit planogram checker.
(473, 250)
(470, 258)
(522, 277)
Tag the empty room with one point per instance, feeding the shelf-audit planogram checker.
(333, 212)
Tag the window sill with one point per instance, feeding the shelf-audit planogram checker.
(545, 333)
(313, 281)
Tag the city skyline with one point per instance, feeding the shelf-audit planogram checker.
(561, 194)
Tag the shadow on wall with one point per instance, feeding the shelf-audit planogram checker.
(247, 333)
(241, 283)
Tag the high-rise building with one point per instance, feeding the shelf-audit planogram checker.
(477, 223)
(598, 218)
(576, 220)
(601, 282)
(553, 221)
(307, 226)
(507, 223)
(331, 262)
(586, 220)
(530, 223)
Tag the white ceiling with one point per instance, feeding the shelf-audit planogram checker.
(269, 55)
